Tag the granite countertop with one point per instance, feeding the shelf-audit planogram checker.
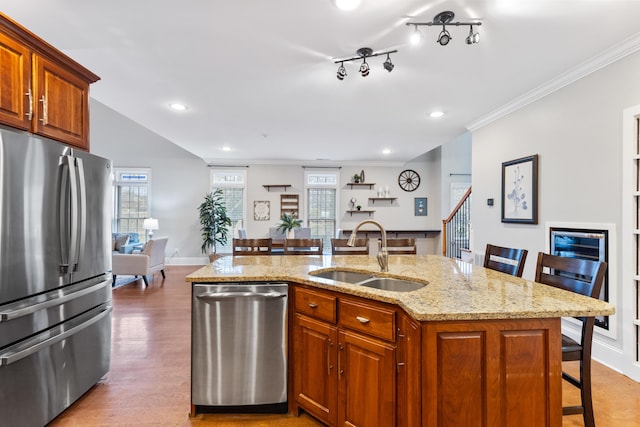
(454, 290)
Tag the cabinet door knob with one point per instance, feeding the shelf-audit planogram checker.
(362, 320)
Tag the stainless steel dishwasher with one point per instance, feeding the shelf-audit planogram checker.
(239, 347)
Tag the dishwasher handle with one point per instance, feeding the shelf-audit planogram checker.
(221, 296)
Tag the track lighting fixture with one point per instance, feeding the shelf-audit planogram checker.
(364, 53)
(342, 72)
(444, 19)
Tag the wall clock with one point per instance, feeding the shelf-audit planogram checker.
(261, 210)
(408, 180)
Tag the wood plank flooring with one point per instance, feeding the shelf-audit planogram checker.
(149, 380)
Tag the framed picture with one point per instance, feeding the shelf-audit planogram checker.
(420, 206)
(261, 210)
(520, 190)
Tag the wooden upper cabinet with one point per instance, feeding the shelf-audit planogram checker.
(62, 98)
(15, 68)
(41, 89)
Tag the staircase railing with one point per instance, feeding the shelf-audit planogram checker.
(456, 228)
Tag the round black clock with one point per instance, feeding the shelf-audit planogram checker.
(408, 180)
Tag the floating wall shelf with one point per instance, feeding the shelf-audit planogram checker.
(283, 186)
(390, 199)
(361, 184)
(351, 212)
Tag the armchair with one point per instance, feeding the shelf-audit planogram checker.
(148, 262)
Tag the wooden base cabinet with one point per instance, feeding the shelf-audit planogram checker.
(497, 373)
(42, 90)
(315, 377)
(367, 381)
(351, 357)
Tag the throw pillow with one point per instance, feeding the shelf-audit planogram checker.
(121, 240)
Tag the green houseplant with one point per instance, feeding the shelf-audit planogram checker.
(287, 223)
(214, 222)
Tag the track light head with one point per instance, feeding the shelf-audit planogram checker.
(416, 37)
(472, 38)
(388, 65)
(342, 72)
(364, 68)
(444, 38)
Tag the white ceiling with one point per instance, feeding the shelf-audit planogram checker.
(259, 76)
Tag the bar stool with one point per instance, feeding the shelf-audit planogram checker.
(584, 277)
(497, 257)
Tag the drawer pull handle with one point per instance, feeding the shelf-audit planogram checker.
(362, 320)
(312, 304)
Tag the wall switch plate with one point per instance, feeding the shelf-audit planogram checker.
(489, 202)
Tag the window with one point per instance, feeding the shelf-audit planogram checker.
(130, 199)
(232, 184)
(321, 205)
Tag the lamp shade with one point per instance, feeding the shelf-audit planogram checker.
(150, 224)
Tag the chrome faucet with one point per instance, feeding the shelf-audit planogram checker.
(383, 254)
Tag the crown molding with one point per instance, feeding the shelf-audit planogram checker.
(608, 57)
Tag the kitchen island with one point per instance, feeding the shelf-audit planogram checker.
(471, 347)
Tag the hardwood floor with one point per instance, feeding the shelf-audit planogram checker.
(149, 380)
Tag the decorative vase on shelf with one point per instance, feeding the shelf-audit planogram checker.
(380, 191)
(386, 191)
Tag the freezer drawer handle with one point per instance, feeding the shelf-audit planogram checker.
(219, 296)
(53, 301)
(12, 358)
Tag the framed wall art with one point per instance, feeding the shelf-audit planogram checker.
(520, 190)
(261, 210)
(420, 206)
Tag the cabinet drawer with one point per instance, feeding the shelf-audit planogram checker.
(316, 305)
(375, 321)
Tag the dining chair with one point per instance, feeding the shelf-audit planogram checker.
(340, 247)
(252, 246)
(402, 246)
(303, 246)
(584, 277)
(506, 260)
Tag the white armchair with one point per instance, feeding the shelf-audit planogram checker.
(148, 262)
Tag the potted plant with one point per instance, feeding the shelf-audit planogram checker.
(214, 223)
(358, 207)
(356, 178)
(287, 223)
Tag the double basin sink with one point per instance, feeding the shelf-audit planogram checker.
(369, 280)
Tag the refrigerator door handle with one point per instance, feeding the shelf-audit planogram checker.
(9, 357)
(68, 214)
(81, 196)
(51, 299)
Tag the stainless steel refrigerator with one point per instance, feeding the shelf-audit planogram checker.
(55, 280)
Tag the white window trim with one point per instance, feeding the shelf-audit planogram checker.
(307, 186)
(243, 185)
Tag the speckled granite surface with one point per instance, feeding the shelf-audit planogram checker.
(454, 290)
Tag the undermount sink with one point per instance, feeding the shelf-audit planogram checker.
(343, 276)
(391, 284)
(369, 280)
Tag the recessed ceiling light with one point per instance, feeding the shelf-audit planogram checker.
(436, 114)
(226, 148)
(386, 151)
(178, 107)
(346, 4)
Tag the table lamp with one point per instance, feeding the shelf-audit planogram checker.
(150, 224)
